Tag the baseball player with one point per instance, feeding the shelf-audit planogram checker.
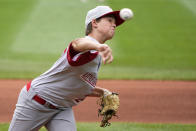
(48, 99)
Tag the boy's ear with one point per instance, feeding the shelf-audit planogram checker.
(94, 24)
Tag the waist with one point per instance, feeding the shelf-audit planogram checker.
(40, 100)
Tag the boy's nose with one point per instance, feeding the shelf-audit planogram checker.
(114, 25)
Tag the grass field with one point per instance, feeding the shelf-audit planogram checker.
(125, 127)
(159, 43)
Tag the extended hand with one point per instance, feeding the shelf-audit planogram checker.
(106, 53)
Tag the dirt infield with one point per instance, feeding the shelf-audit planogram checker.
(140, 101)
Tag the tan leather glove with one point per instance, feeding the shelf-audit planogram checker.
(109, 104)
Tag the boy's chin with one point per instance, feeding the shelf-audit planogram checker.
(110, 37)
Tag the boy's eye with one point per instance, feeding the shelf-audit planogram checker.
(110, 20)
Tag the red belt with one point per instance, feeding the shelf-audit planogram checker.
(40, 100)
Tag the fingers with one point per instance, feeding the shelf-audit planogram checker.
(108, 59)
(106, 53)
(106, 92)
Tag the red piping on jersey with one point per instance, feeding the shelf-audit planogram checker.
(65, 50)
(28, 86)
(82, 59)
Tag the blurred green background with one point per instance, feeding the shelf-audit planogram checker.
(158, 43)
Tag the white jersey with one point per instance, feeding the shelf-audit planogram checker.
(70, 79)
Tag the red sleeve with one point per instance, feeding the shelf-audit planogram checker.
(81, 59)
(71, 50)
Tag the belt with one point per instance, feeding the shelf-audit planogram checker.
(40, 100)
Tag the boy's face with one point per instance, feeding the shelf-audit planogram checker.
(107, 26)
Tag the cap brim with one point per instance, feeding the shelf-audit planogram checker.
(116, 14)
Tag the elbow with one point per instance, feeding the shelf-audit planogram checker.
(76, 45)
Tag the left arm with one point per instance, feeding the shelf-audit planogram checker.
(98, 92)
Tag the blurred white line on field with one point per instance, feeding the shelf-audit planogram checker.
(190, 4)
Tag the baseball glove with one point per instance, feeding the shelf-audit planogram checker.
(109, 105)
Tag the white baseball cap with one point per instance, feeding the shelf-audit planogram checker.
(101, 11)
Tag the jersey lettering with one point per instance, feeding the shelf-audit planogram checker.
(89, 78)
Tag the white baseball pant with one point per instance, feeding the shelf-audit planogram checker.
(30, 115)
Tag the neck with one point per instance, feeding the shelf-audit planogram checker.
(101, 39)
